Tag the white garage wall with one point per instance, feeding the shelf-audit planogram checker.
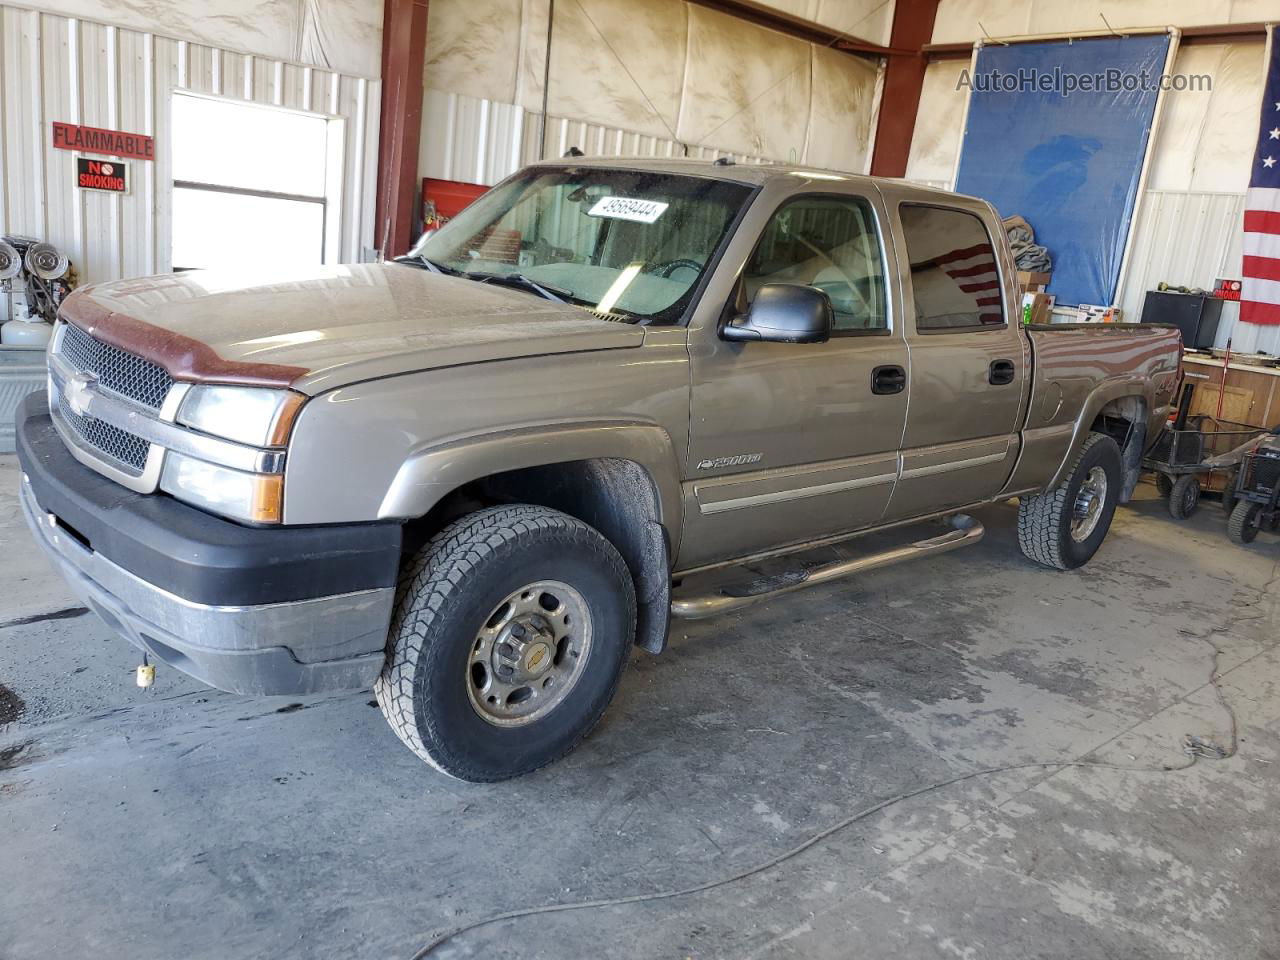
(870, 20)
(735, 88)
(939, 124)
(480, 141)
(963, 21)
(340, 35)
(78, 71)
(1189, 229)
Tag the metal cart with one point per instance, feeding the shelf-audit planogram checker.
(1178, 460)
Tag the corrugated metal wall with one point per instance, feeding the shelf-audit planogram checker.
(481, 141)
(1187, 238)
(78, 71)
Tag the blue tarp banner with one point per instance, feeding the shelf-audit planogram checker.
(1067, 158)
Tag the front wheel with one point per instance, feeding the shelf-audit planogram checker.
(1184, 498)
(1245, 520)
(1064, 527)
(511, 630)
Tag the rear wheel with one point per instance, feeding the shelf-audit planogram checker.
(1184, 498)
(1245, 521)
(1064, 527)
(511, 631)
(1164, 484)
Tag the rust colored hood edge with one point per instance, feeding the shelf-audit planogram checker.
(182, 357)
(327, 326)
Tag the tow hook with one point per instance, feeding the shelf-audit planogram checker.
(146, 673)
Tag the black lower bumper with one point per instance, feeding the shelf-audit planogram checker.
(249, 610)
(188, 552)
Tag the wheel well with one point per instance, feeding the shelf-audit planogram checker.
(615, 496)
(1124, 420)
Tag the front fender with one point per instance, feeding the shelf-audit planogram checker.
(429, 474)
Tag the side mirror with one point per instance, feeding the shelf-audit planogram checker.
(784, 313)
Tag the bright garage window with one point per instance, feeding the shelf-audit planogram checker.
(251, 185)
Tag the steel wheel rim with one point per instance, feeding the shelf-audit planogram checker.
(1090, 500)
(1253, 519)
(529, 653)
(1190, 498)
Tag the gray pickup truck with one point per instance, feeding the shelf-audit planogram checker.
(470, 478)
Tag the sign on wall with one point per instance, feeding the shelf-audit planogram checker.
(109, 175)
(116, 143)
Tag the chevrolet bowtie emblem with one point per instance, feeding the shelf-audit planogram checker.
(79, 391)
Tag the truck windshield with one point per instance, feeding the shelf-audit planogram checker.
(623, 243)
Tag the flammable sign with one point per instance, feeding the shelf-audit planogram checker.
(109, 175)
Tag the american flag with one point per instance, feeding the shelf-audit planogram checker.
(1260, 298)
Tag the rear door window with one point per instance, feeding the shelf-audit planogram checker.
(955, 276)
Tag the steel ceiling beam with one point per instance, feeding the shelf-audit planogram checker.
(773, 19)
(903, 81)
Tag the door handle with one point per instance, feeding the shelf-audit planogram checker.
(888, 379)
(1001, 372)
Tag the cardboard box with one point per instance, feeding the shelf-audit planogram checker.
(1029, 282)
(1037, 307)
(1099, 313)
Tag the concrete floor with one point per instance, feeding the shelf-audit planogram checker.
(190, 823)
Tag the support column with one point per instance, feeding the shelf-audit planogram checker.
(404, 41)
(903, 80)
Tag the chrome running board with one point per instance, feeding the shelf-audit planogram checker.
(965, 531)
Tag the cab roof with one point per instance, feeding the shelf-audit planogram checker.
(754, 174)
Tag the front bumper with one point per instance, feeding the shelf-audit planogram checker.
(243, 609)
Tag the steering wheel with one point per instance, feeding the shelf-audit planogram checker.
(852, 284)
(668, 267)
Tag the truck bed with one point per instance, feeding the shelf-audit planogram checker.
(1080, 372)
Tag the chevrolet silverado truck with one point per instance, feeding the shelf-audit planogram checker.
(471, 477)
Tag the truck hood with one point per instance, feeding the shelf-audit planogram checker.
(331, 325)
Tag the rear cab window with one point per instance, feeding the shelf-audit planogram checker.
(955, 273)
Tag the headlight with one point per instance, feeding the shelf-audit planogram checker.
(252, 415)
(256, 497)
(220, 479)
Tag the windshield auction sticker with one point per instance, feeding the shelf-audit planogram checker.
(626, 208)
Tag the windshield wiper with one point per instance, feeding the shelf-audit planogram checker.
(521, 282)
(420, 260)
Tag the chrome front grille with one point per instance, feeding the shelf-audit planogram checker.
(128, 451)
(118, 414)
(78, 360)
(117, 370)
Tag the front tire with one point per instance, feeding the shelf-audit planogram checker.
(1064, 527)
(1242, 527)
(511, 631)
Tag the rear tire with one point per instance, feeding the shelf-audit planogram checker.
(1243, 524)
(1064, 527)
(1184, 498)
(510, 634)
(1164, 484)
